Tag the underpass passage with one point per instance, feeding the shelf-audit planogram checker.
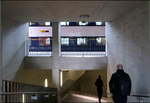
(81, 81)
(78, 98)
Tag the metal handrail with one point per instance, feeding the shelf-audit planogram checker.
(10, 93)
(29, 97)
(137, 95)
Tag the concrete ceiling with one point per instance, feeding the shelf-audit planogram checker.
(67, 10)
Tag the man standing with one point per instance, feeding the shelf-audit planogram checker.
(99, 85)
(120, 85)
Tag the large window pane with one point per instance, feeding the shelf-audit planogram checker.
(83, 39)
(40, 39)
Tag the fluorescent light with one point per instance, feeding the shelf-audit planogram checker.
(46, 83)
(23, 98)
(61, 78)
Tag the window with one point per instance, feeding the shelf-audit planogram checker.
(103, 41)
(64, 23)
(47, 23)
(99, 23)
(81, 41)
(39, 39)
(65, 41)
(83, 23)
(44, 41)
(100, 40)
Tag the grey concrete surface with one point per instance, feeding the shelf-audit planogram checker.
(13, 44)
(76, 63)
(127, 42)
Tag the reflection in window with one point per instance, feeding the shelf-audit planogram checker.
(65, 41)
(81, 41)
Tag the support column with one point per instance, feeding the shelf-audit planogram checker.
(56, 47)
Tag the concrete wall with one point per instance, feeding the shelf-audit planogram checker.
(13, 35)
(34, 77)
(127, 42)
(69, 78)
(72, 75)
(77, 63)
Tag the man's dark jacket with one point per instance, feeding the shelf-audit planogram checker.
(114, 83)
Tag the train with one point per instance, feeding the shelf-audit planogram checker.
(69, 44)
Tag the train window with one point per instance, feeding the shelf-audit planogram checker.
(73, 24)
(65, 41)
(103, 41)
(99, 40)
(81, 41)
(34, 24)
(44, 41)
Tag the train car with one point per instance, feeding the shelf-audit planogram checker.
(40, 44)
(73, 44)
(81, 44)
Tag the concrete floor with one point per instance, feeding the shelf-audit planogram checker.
(78, 98)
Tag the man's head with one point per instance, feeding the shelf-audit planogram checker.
(119, 67)
(99, 77)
